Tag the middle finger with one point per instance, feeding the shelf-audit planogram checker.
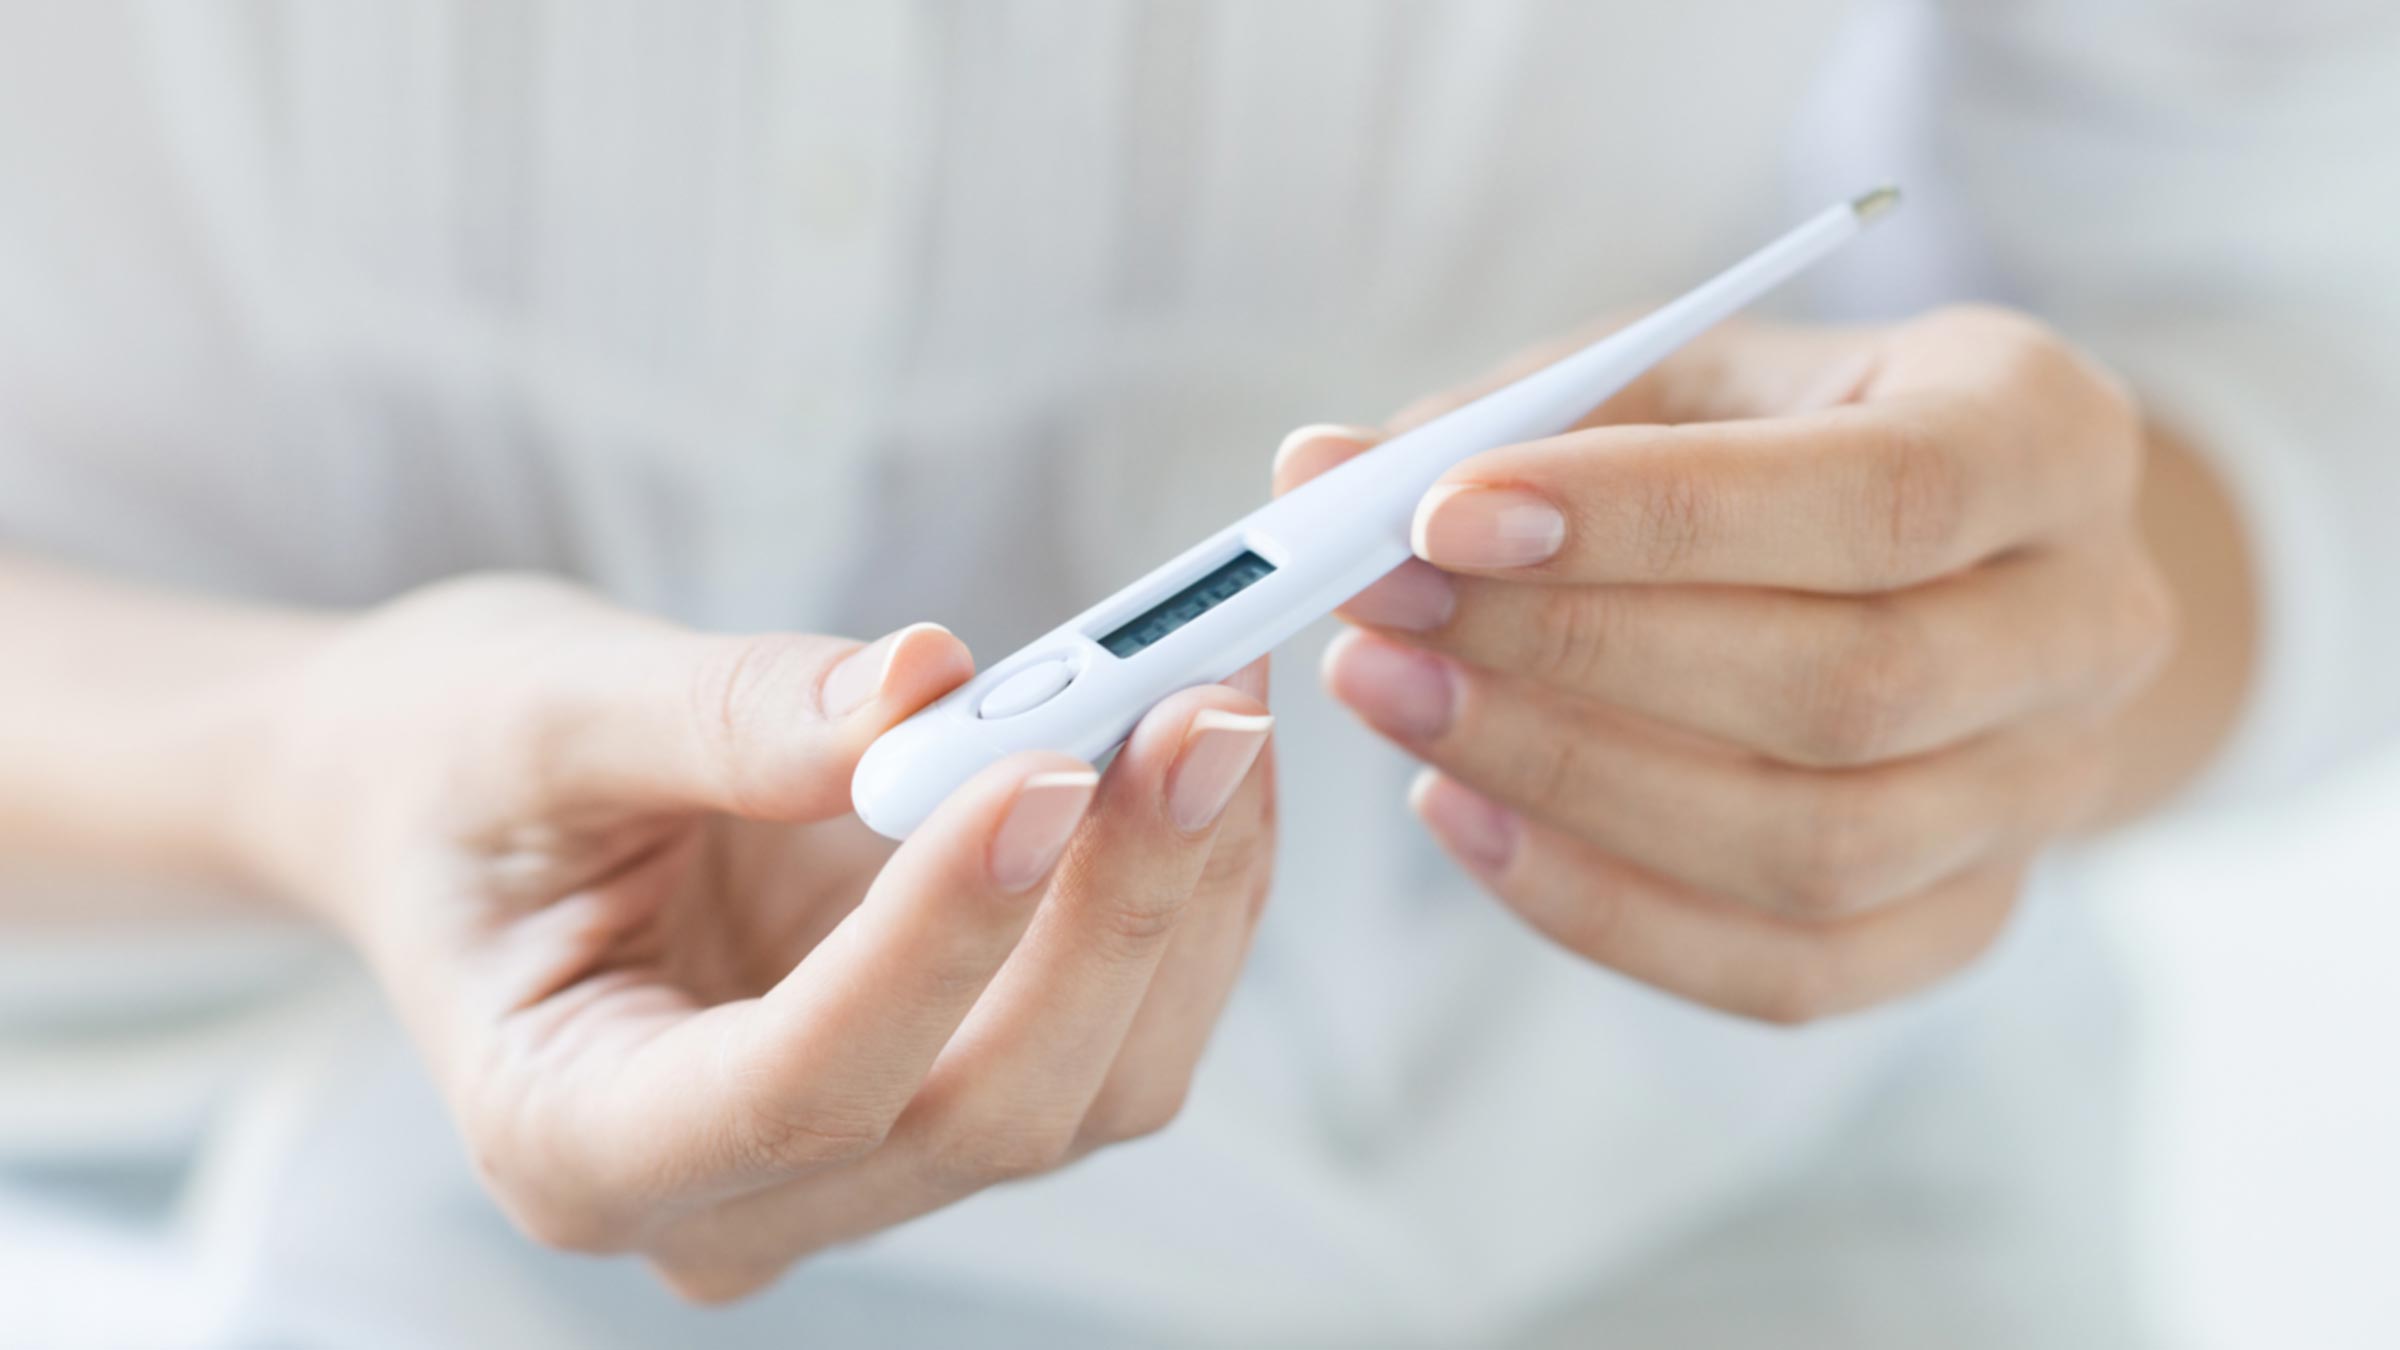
(1146, 1085)
(1811, 680)
(1718, 819)
(1007, 1096)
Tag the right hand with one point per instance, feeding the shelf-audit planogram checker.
(679, 1001)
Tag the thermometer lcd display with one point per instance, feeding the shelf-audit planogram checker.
(1188, 604)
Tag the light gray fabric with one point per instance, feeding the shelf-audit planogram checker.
(841, 316)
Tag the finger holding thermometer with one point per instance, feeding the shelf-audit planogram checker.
(1237, 594)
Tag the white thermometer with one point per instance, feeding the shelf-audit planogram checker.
(1229, 599)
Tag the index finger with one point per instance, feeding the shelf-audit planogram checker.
(815, 1071)
(1862, 497)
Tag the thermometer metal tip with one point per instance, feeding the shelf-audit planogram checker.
(1869, 205)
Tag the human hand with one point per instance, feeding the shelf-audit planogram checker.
(1764, 684)
(679, 1001)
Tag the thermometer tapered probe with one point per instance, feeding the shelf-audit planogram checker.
(1237, 594)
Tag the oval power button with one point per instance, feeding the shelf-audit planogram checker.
(1028, 688)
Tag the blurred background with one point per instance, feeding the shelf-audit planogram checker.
(2261, 948)
(319, 303)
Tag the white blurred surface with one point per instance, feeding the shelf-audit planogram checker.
(2263, 954)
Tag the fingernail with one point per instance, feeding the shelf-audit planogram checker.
(1482, 832)
(1402, 692)
(1040, 821)
(1218, 749)
(1318, 431)
(1415, 597)
(1464, 525)
(855, 681)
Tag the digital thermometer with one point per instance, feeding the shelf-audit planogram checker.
(1232, 597)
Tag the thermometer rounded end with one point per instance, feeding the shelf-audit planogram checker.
(909, 770)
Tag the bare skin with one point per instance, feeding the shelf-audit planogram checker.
(1765, 685)
(680, 1002)
(1833, 631)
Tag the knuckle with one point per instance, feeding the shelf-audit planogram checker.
(2025, 345)
(1131, 927)
(2030, 359)
(1593, 923)
(1805, 988)
(1239, 869)
(568, 1227)
(2126, 422)
(1868, 690)
(1672, 517)
(1233, 867)
(492, 599)
(2147, 618)
(1550, 768)
(550, 1198)
(988, 1154)
(1916, 502)
(2114, 412)
(714, 1284)
(1134, 930)
(744, 691)
(1836, 860)
(2005, 334)
(2097, 423)
(2077, 782)
(1573, 637)
(775, 1140)
(1119, 1118)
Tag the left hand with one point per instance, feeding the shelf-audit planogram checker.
(1763, 685)
(680, 1001)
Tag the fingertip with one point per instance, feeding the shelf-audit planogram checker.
(1187, 759)
(884, 680)
(1219, 747)
(1311, 450)
(989, 792)
(1473, 526)
(1415, 597)
(1152, 746)
(1230, 699)
(1251, 680)
(925, 661)
(1408, 693)
(1421, 519)
(1043, 813)
(1336, 655)
(1481, 833)
(928, 660)
(1138, 779)
(1004, 828)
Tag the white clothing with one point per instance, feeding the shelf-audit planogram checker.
(710, 304)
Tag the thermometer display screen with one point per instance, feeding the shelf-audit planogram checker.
(1188, 604)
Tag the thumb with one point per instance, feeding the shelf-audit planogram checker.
(766, 726)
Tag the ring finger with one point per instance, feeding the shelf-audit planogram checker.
(1693, 945)
(1008, 1094)
(1723, 821)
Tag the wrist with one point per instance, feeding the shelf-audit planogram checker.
(224, 807)
(128, 736)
